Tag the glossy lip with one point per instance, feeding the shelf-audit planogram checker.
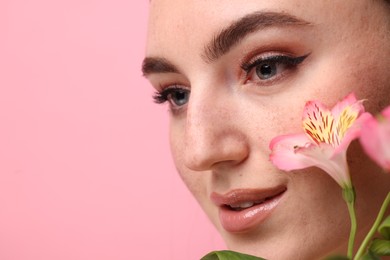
(246, 219)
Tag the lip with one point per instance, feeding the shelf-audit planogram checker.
(248, 218)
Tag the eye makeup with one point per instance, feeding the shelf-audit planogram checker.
(270, 68)
(274, 59)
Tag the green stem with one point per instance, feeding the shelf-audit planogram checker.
(352, 234)
(374, 228)
(349, 197)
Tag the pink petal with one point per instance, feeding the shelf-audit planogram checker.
(347, 116)
(284, 154)
(313, 110)
(328, 133)
(375, 139)
(335, 165)
(294, 152)
(386, 113)
(353, 133)
(318, 122)
(348, 101)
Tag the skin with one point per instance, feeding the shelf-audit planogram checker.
(220, 137)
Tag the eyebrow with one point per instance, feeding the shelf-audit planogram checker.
(227, 38)
(157, 65)
(238, 30)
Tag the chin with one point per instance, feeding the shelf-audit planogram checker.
(282, 251)
(286, 246)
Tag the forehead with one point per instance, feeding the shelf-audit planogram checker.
(183, 23)
(179, 26)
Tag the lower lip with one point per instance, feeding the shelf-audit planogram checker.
(243, 220)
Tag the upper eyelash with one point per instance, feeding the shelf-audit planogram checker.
(161, 97)
(248, 66)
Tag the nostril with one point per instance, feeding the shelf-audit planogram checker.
(198, 161)
(213, 136)
(224, 151)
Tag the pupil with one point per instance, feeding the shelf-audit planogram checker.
(180, 98)
(266, 71)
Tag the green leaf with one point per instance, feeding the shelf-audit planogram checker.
(380, 247)
(384, 228)
(370, 256)
(337, 257)
(229, 255)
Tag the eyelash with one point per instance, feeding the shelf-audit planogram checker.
(290, 62)
(161, 97)
(247, 66)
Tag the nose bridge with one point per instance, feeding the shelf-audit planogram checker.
(212, 132)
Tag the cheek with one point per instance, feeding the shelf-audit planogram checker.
(375, 86)
(337, 76)
(176, 139)
(370, 80)
(195, 181)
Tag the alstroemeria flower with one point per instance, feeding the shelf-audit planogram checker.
(375, 138)
(324, 141)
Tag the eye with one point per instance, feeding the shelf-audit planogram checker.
(268, 69)
(179, 97)
(176, 95)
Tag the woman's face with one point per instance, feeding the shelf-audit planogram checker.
(238, 73)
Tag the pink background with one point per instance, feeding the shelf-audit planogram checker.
(85, 167)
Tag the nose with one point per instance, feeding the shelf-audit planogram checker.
(214, 135)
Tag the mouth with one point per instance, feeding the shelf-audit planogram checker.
(248, 204)
(244, 209)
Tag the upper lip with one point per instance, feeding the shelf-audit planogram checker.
(238, 196)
